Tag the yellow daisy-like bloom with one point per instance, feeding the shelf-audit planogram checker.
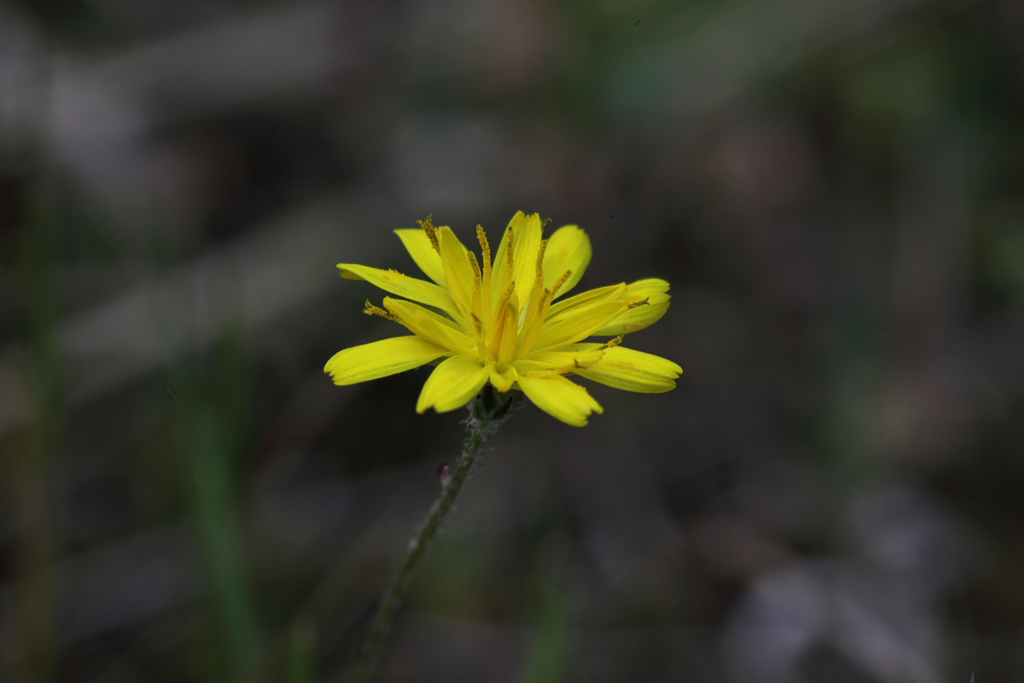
(499, 323)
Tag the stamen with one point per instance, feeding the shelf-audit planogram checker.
(531, 326)
(431, 231)
(540, 260)
(497, 325)
(485, 280)
(503, 271)
(536, 296)
(539, 300)
(611, 343)
(476, 268)
(507, 345)
(559, 282)
(638, 304)
(510, 249)
(485, 247)
(475, 304)
(370, 309)
(550, 372)
(583, 364)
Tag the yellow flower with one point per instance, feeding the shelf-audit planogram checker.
(499, 322)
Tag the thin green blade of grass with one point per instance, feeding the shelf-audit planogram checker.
(301, 654)
(206, 442)
(546, 660)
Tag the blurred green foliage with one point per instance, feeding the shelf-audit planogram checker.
(835, 191)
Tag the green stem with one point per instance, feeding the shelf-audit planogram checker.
(486, 412)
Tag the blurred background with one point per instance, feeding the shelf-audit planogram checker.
(832, 493)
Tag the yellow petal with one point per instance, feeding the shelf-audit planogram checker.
(401, 285)
(423, 253)
(633, 371)
(381, 358)
(452, 384)
(656, 293)
(569, 357)
(507, 341)
(502, 380)
(581, 322)
(526, 232)
(527, 248)
(560, 398)
(431, 326)
(501, 274)
(568, 249)
(567, 306)
(457, 271)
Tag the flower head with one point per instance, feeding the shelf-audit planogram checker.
(496, 320)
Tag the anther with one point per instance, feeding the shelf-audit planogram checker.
(476, 268)
(370, 309)
(636, 304)
(485, 248)
(509, 250)
(540, 260)
(559, 282)
(431, 231)
(611, 343)
(551, 372)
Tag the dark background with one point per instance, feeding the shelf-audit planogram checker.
(832, 493)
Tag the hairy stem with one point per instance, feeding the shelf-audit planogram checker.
(486, 411)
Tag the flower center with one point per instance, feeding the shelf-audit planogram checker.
(507, 331)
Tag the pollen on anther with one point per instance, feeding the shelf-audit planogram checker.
(540, 260)
(431, 231)
(370, 309)
(636, 304)
(611, 343)
(485, 247)
(476, 268)
(559, 282)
